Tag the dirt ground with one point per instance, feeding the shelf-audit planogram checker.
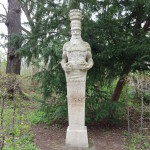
(53, 138)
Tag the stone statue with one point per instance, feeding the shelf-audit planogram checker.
(76, 61)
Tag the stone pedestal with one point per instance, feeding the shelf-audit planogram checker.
(77, 137)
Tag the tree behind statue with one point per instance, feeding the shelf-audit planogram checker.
(119, 46)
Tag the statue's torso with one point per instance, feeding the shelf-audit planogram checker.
(76, 53)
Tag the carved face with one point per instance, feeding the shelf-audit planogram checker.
(76, 33)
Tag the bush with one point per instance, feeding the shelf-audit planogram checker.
(14, 126)
(99, 107)
(36, 117)
(55, 111)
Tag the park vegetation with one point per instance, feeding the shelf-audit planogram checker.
(118, 85)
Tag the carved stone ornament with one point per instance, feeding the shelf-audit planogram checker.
(76, 61)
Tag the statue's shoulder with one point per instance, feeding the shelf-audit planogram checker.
(67, 44)
(86, 44)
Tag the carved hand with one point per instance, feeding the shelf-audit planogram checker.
(67, 67)
(85, 66)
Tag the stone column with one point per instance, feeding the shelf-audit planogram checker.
(76, 61)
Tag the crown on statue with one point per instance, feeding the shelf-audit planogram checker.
(75, 17)
(75, 14)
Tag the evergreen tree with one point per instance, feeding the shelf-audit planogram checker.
(119, 39)
(74, 4)
(117, 31)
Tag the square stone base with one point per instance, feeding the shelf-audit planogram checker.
(77, 137)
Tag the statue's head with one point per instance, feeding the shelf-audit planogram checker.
(76, 17)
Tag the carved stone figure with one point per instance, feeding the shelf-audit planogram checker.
(76, 61)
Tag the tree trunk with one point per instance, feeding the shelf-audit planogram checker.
(117, 92)
(0, 66)
(14, 31)
(121, 82)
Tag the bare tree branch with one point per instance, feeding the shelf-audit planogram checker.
(26, 11)
(2, 15)
(25, 30)
(3, 18)
(4, 8)
(4, 47)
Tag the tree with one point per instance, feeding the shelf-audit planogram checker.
(119, 43)
(14, 31)
(74, 4)
(117, 36)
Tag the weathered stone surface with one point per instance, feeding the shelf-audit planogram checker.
(77, 137)
(76, 61)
